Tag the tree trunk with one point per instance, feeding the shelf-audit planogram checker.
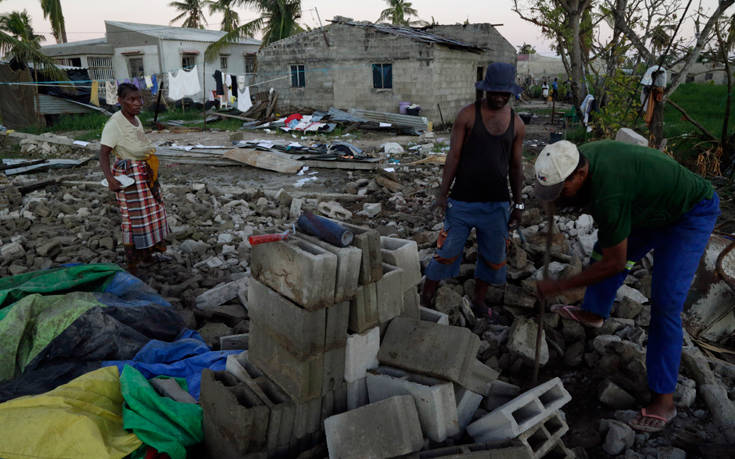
(657, 124)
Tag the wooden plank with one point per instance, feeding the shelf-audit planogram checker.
(269, 160)
(346, 165)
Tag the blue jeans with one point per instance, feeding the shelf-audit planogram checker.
(677, 251)
(490, 220)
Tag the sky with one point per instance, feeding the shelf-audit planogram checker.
(85, 18)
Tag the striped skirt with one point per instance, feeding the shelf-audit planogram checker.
(141, 207)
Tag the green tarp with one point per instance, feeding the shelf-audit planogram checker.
(160, 422)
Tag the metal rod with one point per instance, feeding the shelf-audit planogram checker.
(204, 93)
(158, 104)
(542, 302)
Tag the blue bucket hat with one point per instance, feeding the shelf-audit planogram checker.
(499, 77)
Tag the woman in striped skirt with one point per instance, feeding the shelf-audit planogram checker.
(144, 226)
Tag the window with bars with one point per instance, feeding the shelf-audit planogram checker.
(188, 61)
(298, 76)
(135, 67)
(223, 63)
(382, 76)
(100, 68)
(250, 61)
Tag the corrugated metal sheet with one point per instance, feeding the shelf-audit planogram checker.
(395, 119)
(178, 33)
(51, 105)
(413, 34)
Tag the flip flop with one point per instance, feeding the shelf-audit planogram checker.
(634, 423)
(568, 312)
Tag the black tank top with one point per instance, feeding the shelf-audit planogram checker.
(482, 173)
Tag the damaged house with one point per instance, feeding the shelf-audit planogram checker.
(350, 64)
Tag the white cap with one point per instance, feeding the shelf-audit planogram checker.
(554, 164)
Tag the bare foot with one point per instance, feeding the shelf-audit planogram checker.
(655, 416)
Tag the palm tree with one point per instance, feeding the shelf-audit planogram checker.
(18, 24)
(230, 18)
(18, 40)
(52, 12)
(398, 12)
(277, 20)
(194, 12)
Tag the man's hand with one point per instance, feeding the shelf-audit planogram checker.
(440, 204)
(113, 184)
(547, 288)
(515, 218)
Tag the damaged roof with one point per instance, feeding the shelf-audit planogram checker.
(177, 33)
(411, 33)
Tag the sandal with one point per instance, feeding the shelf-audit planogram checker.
(569, 312)
(663, 422)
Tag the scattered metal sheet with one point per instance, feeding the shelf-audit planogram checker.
(395, 119)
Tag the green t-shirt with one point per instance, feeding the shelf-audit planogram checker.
(631, 187)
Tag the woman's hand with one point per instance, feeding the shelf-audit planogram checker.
(113, 184)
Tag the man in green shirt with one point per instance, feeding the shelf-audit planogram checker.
(641, 200)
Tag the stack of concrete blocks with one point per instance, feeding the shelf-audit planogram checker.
(404, 254)
(361, 356)
(534, 417)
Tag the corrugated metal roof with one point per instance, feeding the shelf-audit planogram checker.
(51, 105)
(93, 46)
(177, 33)
(412, 33)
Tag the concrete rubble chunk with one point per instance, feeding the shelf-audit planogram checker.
(333, 209)
(500, 393)
(619, 436)
(221, 294)
(435, 402)
(628, 135)
(12, 251)
(626, 291)
(384, 429)
(467, 404)
(670, 452)
(441, 351)
(389, 291)
(302, 272)
(234, 342)
(546, 435)
(404, 254)
(614, 396)
(520, 414)
(411, 304)
(168, 387)
(522, 340)
(447, 300)
(348, 267)
(432, 315)
(361, 354)
(604, 343)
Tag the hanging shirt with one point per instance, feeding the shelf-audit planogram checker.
(126, 140)
(111, 92)
(154, 81)
(217, 75)
(94, 94)
(234, 85)
(148, 82)
(243, 100)
(184, 84)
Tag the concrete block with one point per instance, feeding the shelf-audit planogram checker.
(234, 419)
(442, 351)
(361, 354)
(476, 450)
(367, 240)
(364, 309)
(221, 294)
(300, 378)
(404, 254)
(168, 387)
(500, 393)
(390, 293)
(434, 399)
(302, 272)
(333, 373)
(387, 428)
(432, 315)
(628, 135)
(411, 304)
(467, 404)
(520, 414)
(338, 318)
(234, 342)
(348, 267)
(357, 394)
(546, 435)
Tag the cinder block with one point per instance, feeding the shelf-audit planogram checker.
(411, 304)
(234, 342)
(404, 254)
(168, 387)
(301, 379)
(434, 399)
(302, 272)
(221, 294)
(628, 135)
(390, 293)
(500, 393)
(546, 435)
(379, 430)
(357, 394)
(520, 414)
(364, 309)
(442, 351)
(368, 241)
(475, 450)
(234, 419)
(348, 267)
(334, 369)
(361, 354)
(467, 404)
(432, 315)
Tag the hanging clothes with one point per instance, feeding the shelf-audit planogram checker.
(217, 75)
(148, 82)
(154, 81)
(243, 100)
(94, 94)
(111, 92)
(184, 84)
(234, 85)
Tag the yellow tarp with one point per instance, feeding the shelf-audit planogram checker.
(81, 419)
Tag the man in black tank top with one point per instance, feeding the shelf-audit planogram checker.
(485, 151)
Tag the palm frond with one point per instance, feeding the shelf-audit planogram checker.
(245, 30)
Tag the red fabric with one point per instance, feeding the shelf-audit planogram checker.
(295, 116)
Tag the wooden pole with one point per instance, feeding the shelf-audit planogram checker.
(204, 94)
(542, 302)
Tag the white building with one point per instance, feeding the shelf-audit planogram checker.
(131, 50)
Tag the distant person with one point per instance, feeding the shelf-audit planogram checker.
(545, 91)
(144, 225)
(555, 89)
(673, 216)
(485, 152)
